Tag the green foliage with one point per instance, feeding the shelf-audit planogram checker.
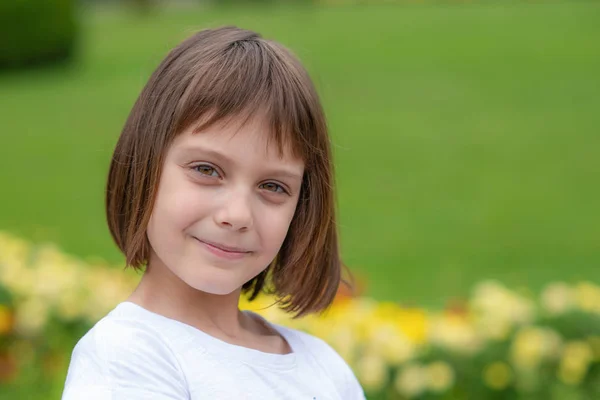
(465, 137)
(261, 2)
(36, 31)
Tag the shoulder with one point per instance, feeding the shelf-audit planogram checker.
(118, 354)
(330, 361)
(113, 339)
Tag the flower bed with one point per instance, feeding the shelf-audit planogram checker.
(499, 343)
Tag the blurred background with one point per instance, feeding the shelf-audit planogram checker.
(467, 141)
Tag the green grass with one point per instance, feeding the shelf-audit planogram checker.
(467, 137)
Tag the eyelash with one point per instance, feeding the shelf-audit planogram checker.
(195, 169)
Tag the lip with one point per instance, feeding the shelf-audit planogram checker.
(228, 252)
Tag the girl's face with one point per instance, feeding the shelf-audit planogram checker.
(224, 205)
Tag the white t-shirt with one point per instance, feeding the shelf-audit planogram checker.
(134, 354)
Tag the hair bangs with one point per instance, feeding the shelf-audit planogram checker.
(252, 80)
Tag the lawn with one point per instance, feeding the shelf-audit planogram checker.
(467, 136)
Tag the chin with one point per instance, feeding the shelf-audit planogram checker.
(220, 291)
(213, 287)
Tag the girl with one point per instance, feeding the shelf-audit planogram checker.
(220, 185)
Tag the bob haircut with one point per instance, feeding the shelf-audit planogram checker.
(216, 76)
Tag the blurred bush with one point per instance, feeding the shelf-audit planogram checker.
(34, 32)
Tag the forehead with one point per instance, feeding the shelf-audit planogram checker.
(249, 141)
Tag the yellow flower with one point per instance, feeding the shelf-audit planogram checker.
(106, 288)
(576, 357)
(71, 304)
(6, 319)
(455, 332)
(497, 375)
(587, 297)
(412, 322)
(18, 277)
(571, 376)
(399, 350)
(412, 380)
(52, 278)
(532, 345)
(441, 376)
(13, 249)
(389, 342)
(578, 352)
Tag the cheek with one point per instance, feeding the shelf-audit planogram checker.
(175, 212)
(178, 204)
(175, 209)
(275, 228)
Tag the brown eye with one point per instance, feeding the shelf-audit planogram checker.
(206, 170)
(273, 187)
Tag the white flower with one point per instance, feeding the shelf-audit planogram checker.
(440, 376)
(498, 310)
(390, 343)
(31, 315)
(372, 372)
(412, 380)
(557, 298)
(532, 345)
(492, 327)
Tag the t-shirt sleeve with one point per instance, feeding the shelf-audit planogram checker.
(120, 361)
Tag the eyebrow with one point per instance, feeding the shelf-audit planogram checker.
(193, 150)
(276, 172)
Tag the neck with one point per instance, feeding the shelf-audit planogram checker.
(164, 293)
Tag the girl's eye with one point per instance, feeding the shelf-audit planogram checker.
(207, 170)
(273, 187)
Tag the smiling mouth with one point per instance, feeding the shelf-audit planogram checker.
(222, 250)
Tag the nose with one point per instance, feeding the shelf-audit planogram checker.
(235, 213)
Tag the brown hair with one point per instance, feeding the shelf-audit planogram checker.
(218, 75)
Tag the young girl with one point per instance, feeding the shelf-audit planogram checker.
(221, 184)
